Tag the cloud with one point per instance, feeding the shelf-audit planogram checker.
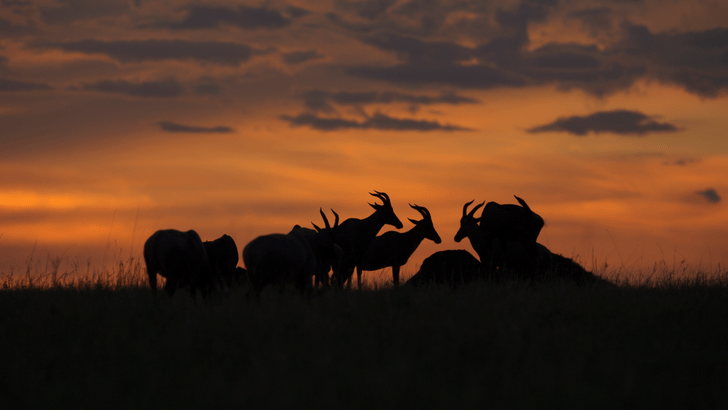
(298, 57)
(13, 85)
(696, 60)
(174, 127)
(622, 122)
(463, 76)
(319, 100)
(377, 121)
(69, 11)
(167, 88)
(210, 17)
(711, 195)
(132, 51)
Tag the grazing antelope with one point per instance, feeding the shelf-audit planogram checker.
(354, 236)
(288, 258)
(509, 222)
(451, 267)
(395, 248)
(180, 257)
(222, 254)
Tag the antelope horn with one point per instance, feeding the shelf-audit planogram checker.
(465, 208)
(381, 195)
(326, 220)
(422, 210)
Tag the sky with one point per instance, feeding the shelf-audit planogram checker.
(122, 117)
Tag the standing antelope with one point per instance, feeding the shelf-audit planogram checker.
(180, 257)
(287, 258)
(327, 256)
(395, 248)
(513, 252)
(510, 223)
(354, 236)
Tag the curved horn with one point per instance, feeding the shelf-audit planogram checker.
(472, 211)
(422, 210)
(326, 220)
(336, 221)
(465, 208)
(381, 195)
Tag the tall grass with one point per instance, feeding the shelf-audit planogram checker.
(75, 337)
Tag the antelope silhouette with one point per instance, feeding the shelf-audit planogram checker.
(180, 257)
(287, 258)
(354, 236)
(395, 248)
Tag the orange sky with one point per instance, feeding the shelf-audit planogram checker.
(121, 117)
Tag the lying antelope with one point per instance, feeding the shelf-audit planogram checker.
(354, 236)
(451, 267)
(288, 258)
(394, 248)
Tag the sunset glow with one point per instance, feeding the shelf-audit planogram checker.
(244, 118)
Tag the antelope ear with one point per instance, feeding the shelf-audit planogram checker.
(317, 228)
(413, 221)
(375, 206)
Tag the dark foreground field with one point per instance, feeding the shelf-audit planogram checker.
(103, 344)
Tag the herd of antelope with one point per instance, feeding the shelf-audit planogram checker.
(504, 237)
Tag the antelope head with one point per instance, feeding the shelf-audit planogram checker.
(468, 220)
(425, 223)
(386, 210)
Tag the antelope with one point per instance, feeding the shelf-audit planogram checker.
(287, 258)
(395, 248)
(452, 267)
(537, 262)
(180, 257)
(222, 254)
(509, 222)
(326, 255)
(354, 236)
(522, 262)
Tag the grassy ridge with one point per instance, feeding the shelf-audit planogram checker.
(112, 343)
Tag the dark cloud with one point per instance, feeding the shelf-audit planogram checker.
(622, 122)
(208, 17)
(377, 121)
(419, 51)
(4, 60)
(296, 12)
(697, 61)
(463, 76)
(9, 29)
(167, 88)
(298, 57)
(319, 100)
(711, 195)
(500, 55)
(174, 127)
(69, 11)
(13, 85)
(127, 51)
(368, 9)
